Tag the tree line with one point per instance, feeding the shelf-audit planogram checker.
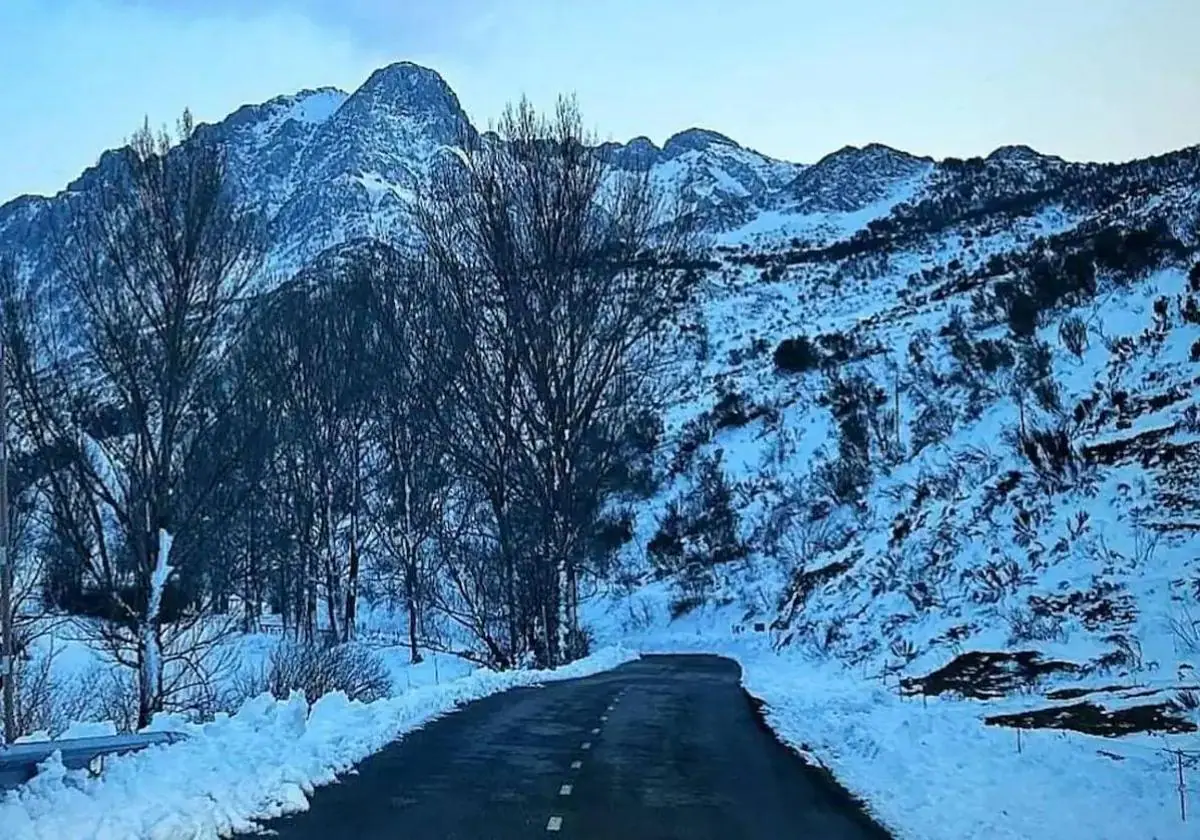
(450, 425)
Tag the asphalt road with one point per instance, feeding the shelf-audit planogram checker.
(663, 748)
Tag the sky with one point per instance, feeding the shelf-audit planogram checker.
(1085, 79)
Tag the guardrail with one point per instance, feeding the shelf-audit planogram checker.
(19, 762)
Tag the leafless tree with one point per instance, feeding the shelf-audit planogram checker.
(553, 272)
(414, 476)
(155, 263)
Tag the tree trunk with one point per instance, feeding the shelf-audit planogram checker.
(310, 597)
(410, 586)
(352, 580)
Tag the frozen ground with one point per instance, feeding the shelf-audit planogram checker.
(260, 763)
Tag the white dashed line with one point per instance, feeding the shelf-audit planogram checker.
(587, 745)
(603, 718)
(555, 824)
(595, 731)
(575, 765)
(565, 790)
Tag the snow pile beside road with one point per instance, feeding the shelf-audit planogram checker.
(260, 763)
(934, 770)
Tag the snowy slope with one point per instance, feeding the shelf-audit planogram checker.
(975, 586)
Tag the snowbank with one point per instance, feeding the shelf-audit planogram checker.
(260, 763)
(934, 771)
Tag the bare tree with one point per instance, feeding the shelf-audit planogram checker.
(553, 271)
(414, 476)
(155, 262)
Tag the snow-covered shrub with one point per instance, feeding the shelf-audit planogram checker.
(695, 433)
(1026, 626)
(1073, 333)
(1052, 455)
(665, 548)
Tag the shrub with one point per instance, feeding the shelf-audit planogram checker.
(1073, 334)
(317, 670)
(1190, 310)
(610, 531)
(1035, 373)
(933, 423)
(1051, 454)
(633, 471)
(1021, 311)
(665, 548)
(842, 479)
(731, 411)
(1195, 354)
(713, 521)
(1194, 278)
(695, 433)
(837, 347)
(796, 355)
(993, 354)
(681, 605)
(1191, 418)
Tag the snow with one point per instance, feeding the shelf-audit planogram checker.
(262, 762)
(317, 106)
(963, 779)
(932, 770)
(151, 651)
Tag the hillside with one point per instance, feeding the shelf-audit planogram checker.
(961, 446)
(930, 464)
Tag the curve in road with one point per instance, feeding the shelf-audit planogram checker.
(663, 748)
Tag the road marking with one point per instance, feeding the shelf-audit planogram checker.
(575, 765)
(565, 790)
(555, 824)
(587, 745)
(595, 731)
(610, 707)
(603, 718)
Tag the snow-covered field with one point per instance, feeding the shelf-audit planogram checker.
(262, 762)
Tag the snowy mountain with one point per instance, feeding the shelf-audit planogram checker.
(955, 405)
(955, 408)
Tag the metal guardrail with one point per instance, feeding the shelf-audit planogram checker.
(19, 762)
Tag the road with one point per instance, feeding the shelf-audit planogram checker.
(662, 748)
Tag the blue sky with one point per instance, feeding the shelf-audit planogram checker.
(1090, 79)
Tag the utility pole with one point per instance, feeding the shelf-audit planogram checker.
(7, 647)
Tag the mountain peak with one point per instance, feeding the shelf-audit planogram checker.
(1016, 153)
(871, 151)
(695, 139)
(407, 87)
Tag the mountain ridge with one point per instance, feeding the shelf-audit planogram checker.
(325, 166)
